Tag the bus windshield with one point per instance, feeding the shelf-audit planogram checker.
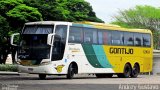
(33, 44)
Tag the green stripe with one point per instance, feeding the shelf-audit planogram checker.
(101, 56)
(91, 56)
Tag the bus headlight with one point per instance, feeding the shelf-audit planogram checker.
(45, 62)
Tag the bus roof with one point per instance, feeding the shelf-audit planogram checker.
(109, 27)
(48, 23)
(89, 25)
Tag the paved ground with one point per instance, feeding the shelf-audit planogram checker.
(80, 82)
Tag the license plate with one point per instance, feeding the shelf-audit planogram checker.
(30, 69)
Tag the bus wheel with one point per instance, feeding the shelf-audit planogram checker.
(126, 72)
(42, 76)
(135, 71)
(71, 72)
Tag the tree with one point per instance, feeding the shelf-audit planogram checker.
(64, 10)
(80, 10)
(6, 5)
(49, 9)
(145, 17)
(4, 28)
(15, 11)
(22, 14)
(13, 15)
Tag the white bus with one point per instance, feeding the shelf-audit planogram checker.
(65, 48)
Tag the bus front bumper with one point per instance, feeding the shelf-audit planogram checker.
(43, 69)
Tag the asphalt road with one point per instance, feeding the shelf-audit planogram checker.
(80, 82)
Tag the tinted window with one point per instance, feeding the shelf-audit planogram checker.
(94, 36)
(128, 39)
(104, 37)
(100, 37)
(146, 40)
(75, 35)
(38, 29)
(61, 30)
(137, 39)
(90, 35)
(59, 42)
(107, 37)
(117, 38)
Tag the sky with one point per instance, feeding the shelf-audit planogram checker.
(107, 9)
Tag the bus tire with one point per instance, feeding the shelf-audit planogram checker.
(135, 71)
(71, 72)
(42, 76)
(126, 72)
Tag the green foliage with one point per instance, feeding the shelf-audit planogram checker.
(140, 16)
(145, 17)
(6, 5)
(15, 11)
(4, 28)
(24, 13)
(64, 10)
(8, 67)
(80, 11)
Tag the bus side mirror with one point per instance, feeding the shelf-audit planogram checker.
(50, 39)
(14, 39)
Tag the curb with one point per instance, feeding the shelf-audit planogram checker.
(8, 73)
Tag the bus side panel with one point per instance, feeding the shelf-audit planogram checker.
(118, 56)
(90, 58)
(148, 59)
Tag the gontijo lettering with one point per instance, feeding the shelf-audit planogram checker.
(121, 50)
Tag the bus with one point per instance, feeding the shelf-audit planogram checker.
(69, 48)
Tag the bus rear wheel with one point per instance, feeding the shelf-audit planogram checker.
(126, 72)
(135, 71)
(42, 76)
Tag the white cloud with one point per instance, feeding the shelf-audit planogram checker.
(105, 9)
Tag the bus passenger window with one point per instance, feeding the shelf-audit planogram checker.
(95, 36)
(146, 40)
(90, 36)
(71, 38)
(88, 39)
(104, 37)
(100, 39)
(137, 39)
(128, 39)
(117, 38)
(107, 37)
(75, 35)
